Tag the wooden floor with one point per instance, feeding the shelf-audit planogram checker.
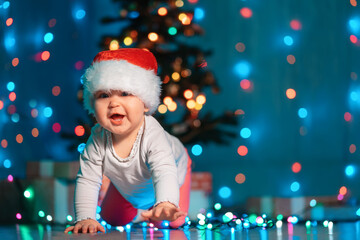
(341, 230)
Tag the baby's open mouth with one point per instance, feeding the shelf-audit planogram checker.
(117, 117)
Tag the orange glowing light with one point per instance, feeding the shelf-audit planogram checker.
(290, 93)
(190, 104)
(4, 143)
(291, 59)
(1, 104)
(79, 130)
(353, 3)
(15, 62)
(9, 22)
(153, 36)
(242, 150)
(35, 132)
(162, 11)
(185, 19)
(172, 106)
(201, 99)
(240, 178)
(246, 12)
(19, 138)
(56, 90)
(296, 167)
(162, 108)
(114, 45)
(167, 100)
(12, 96)
(45, 55)
(343, 190)
(352, 148)
(188, 94)
(175, 76)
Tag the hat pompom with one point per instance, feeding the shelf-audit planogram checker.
(127, 69)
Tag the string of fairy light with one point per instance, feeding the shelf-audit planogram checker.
(195, 102)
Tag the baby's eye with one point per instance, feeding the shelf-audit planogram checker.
(125, 94)
(102, 95)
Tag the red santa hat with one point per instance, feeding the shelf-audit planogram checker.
(132, 70)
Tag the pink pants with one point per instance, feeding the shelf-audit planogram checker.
(117, 211)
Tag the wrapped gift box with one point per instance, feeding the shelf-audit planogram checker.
(201, 188)
(298, 206)
(50, 169)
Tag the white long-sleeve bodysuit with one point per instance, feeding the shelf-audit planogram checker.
(153, 172)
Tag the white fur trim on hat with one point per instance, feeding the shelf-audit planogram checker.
(124, 76)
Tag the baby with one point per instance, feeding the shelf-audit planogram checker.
(149, 170)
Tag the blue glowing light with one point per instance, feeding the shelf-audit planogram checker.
(133, 14)
(242, 69)
(354, 96)
(358, 212)
(48, 112)
(80, 14)
(10, 86)
(165, 223)
(81, 147)
(6, 4)
(302, 113)
(196, 150)
(225, 192)
(9, 42)
(48, 37)
(354, 25)
(199, 13)
(295, 186)
(288, 40)
(15, 117)
(7, 163)
(98, 209)
(350, 170)
(313, 203)
(245, 133)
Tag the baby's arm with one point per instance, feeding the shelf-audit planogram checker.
(164, 211)
(84, 226)
(88, 183)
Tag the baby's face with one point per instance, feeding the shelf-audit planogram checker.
(119, 112)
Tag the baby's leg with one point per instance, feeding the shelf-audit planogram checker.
(115, 209)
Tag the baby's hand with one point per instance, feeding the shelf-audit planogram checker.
(164, 211)
(84, 226)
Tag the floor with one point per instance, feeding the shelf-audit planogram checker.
(341, 230)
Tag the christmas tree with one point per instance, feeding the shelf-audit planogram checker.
(164, 28)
